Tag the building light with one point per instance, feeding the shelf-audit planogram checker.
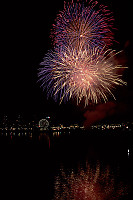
(128, 152)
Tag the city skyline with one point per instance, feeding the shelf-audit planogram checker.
(51, 150)
(26, 36)
(20, 122)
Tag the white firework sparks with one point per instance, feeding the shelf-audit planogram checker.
(88, 75)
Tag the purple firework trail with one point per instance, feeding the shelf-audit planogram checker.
(81, 65)
(89, 75)
(79, 24)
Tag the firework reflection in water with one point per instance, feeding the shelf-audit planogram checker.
(89, 183)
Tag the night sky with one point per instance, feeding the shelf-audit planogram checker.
(25, 40)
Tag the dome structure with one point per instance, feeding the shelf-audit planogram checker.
(43, 124)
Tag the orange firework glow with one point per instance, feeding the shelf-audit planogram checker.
(83, 74)
(89, 184)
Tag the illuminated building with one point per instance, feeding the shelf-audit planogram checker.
(43, 124)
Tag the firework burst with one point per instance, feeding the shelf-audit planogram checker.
(85, 75)
(79, 24)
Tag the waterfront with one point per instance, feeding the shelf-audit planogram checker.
(67, 165)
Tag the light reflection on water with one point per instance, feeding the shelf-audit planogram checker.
(75, 166)
(89, 182)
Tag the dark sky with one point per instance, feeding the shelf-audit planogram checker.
(25, 39)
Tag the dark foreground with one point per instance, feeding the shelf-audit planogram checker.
(73, 165)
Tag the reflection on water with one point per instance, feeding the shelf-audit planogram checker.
(24, 138)
(91, 183)
(68, 166)
(12, 135)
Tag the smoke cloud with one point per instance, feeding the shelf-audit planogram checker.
(99, 113)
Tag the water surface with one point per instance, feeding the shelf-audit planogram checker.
(72, 165)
